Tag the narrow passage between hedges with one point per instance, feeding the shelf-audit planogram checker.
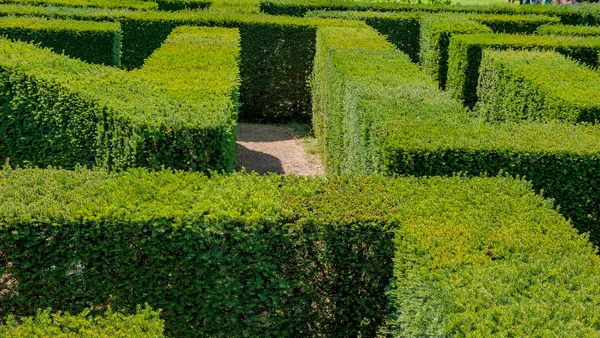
(278, 149)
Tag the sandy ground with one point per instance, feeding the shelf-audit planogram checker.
(269, 148)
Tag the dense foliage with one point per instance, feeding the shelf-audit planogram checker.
(144, 324)
(243, 255)
(64, 112)
(531, 85)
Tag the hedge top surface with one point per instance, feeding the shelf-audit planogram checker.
(130, 4)
(362, 15)
(524, 18)
(550, 72)
(491, 40)
(569, 30)
(40, 23)
(138, 98)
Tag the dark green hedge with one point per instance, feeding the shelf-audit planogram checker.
(145, 323)
(242, 255)
(514, 24)
(465, 56)
(376, 112)
(401, 29)
(582, 14)
(176, 5)
(178, 111)
(568, 30)
(95, 42)
(129, 4)
(532, 85)
(436, 31)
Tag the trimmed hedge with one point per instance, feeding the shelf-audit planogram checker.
(177, 5)
(240, 6)
(582, 14)
(532, 85)
(465, 56)
(243, 255)
(401, 29)
(376, 112)
(129, 4)
(178, 112)
(513, 24)
(145, 323)
(436, 31)
(568, 30)
(95, 42)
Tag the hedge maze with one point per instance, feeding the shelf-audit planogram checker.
(461, 146)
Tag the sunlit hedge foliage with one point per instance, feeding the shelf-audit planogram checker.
(129, 4)
(144, 324)
(179, 111)
(531, 85)
(568, 30)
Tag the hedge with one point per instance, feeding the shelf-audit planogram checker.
(513, 24)
(243, 255)
(376, 112)
(179, 111)
(465, 56)
(401, 29)
(568, 30)
(95, 42)
(436, 31)
(129, 4)
(176, 5)
(145, 323)
(532, 85)
(240, 6)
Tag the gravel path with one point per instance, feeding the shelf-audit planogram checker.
(269, 148)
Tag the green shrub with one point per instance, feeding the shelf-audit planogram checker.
(532, 85)
(176, 5)
(401, 29)
(95, 42)
(240, 6)
(568, 30)
(242, 255)
(436, 31)
(145, 323)
(177, 112)
(465, 56)
(513, 24)
(376, 112)
(130, 4)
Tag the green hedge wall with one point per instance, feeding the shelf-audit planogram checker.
(145, 323)
(95, 42)
(583, 14)
(176, 5)
(532, 85)
(514, 24)
(568, 30)
(129, 4)
(401, 29)
(64, 112)
(436, 31)
(243, 255)
(465, 56)
(376, 112)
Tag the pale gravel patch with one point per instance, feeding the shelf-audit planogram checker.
(271, 148)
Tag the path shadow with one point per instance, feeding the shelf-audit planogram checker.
(256, 161)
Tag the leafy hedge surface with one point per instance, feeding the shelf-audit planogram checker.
(513, 24)
(95, 42)
(465, 56)
(145, 323)
(177, 112)
(573, 15)
(376, 112)
(176, 5)
(532, 85)
(436, 31)
(568, 30)
(243, 255)
(130, 4)
(401, 29)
